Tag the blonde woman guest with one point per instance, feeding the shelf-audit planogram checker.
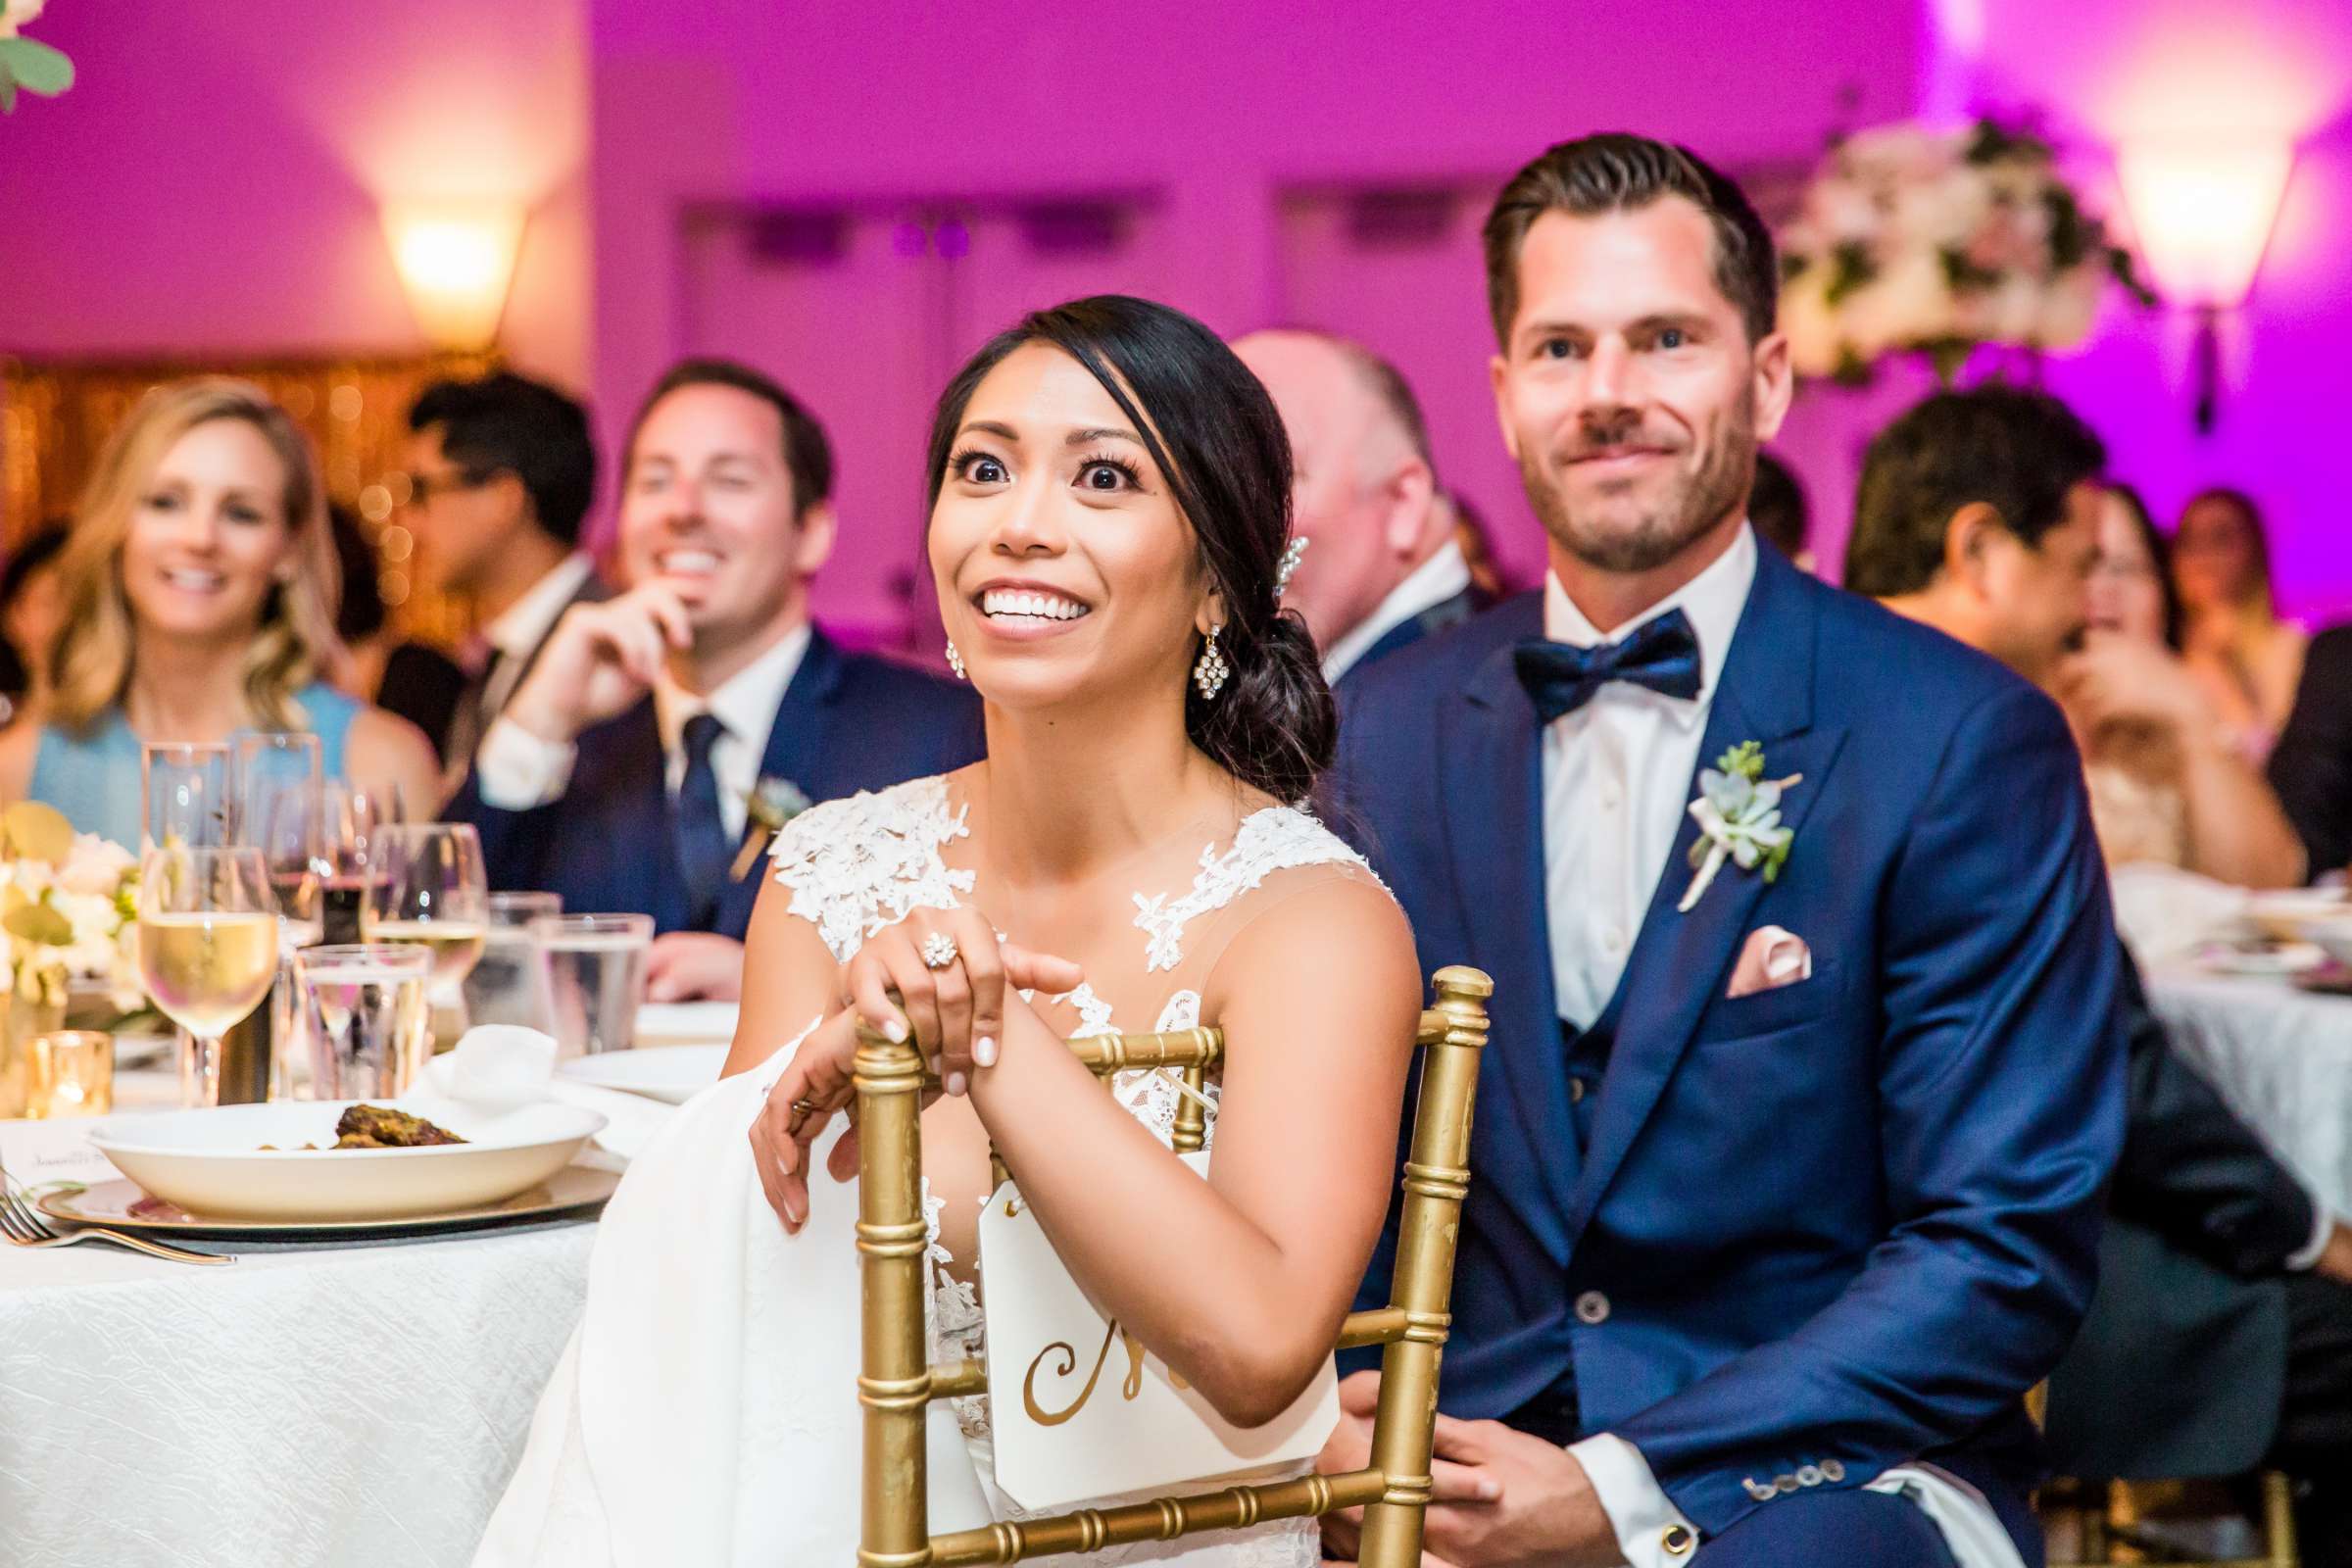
(199, 582)
(2247, 659)
(2168, 783)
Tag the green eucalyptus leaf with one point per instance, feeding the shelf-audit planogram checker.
(36, 67)
(8, 90)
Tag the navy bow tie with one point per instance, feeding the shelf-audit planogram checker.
(1662, 655)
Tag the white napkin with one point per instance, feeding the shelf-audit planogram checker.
(499, 1067)
(2165, 914)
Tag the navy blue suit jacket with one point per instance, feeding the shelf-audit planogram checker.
(1855, 1217)
(847, 723)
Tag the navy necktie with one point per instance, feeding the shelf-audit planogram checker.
(1661, 654)
(703, 848)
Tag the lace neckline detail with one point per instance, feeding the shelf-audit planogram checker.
(1270, 839)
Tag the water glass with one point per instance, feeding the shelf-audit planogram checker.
(362, 1011)
(509, 985)
(72, 1073)
(183, 795)
(595, 967)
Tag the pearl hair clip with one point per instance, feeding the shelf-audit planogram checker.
(1290, 563)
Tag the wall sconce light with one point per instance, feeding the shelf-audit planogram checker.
(2203, 208)
(456, 260)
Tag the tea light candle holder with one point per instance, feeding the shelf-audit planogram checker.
(72, 1073)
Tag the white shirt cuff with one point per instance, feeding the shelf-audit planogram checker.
(2323, 1227)
(516, 771)
(1649, 1526)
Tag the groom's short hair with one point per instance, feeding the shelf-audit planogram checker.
(2013, 448)
(1618, 172)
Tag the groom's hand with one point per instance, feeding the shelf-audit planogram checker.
(1543, 1510)
(1350, 1449)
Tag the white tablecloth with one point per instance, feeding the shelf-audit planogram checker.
(2282, 1058)
(348, 1408)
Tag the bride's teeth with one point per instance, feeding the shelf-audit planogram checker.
(1041, 606)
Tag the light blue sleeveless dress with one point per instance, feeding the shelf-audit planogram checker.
(92, 774)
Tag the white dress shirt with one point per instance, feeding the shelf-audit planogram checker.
(1425, 587)
(1617, 778)
(518, 630)
(517, 770)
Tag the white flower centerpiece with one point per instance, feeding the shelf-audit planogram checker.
(1909, 240)
(68, 904)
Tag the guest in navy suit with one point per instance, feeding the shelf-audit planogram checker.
(1383, 569)
(624, 771)
(1787, 1163)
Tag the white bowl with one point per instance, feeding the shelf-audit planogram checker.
(672, 1074)
(212, 1163)
(2282, 914)
(686, 1023)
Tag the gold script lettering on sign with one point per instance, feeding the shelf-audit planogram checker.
(1128, 1390)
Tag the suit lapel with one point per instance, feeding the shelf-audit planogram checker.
(795, 753)
(1679, 961)
(1491, 781)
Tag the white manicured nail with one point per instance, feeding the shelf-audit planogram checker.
(895, 1029)
(956, 1083)
(984, 1051)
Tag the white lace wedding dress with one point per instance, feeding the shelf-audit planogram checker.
(705, 1412)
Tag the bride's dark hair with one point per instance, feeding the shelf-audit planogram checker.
(1217, 440)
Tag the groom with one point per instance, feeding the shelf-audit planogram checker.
(1791, 1133)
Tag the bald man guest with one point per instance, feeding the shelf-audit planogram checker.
(1383, 569)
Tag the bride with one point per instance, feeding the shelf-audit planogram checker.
(1109, 511)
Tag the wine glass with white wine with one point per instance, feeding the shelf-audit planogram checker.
(208, 948)
(434, 892)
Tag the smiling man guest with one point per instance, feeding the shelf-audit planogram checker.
(624, 771)
(1803, 1080)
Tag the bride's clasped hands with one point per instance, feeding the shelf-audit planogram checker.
(941, 977)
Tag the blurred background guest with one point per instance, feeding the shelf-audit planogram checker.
(32, 611)
(361, 621)
(622, 771)
(1383, 568)
(2167, 782)
(1777, 511)
(1488, 583)
(2247, 658)
(501, 475)
(2311, 767)
(199, 582)
(2217, 1340)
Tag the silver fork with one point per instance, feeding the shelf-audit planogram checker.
(23, 1226)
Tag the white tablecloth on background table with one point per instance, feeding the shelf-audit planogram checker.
(343, 1407)
(2283, 1058)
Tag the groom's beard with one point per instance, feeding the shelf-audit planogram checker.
(1600, 535)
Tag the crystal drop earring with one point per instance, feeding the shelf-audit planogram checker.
(956, 662)
(1210, 669)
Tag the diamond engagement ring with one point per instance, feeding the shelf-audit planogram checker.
(939, 950)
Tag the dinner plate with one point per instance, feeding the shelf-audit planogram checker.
(126, 1207)
(673, 1074)
(686, 1023)
(214, 1163)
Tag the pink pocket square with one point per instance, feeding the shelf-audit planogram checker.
(1773, 958)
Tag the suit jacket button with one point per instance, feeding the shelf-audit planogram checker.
(1761, 1490)
(1592, 1307)
(1677, 1542)
(1832, 1471)
(1785, 1484)
(1808, 1475)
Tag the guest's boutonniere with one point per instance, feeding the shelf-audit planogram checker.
(768, 806)
(1739, 816)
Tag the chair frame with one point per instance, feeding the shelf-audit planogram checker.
(2094, 1509)
(897, 1382)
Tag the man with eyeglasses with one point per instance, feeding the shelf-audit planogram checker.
(501, 473)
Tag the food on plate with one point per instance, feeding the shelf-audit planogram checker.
(382, 1127)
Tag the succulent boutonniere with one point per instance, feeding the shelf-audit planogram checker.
(1739, 816)
(768, 806)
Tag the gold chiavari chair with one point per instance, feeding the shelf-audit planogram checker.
(2095, 1523)
(898, 1383)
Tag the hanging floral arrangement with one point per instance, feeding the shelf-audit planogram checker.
(27, 64)
(1917, 241)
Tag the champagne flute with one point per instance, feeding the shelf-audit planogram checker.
(208, 949)
(435, 893)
